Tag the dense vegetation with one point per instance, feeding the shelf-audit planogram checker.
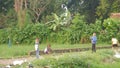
(21, 21)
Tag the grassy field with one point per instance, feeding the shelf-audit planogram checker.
(23, 50)
(101, 59)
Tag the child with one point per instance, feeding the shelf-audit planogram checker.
(115, 45)
(37, 47)
(93, 41)
(48, 49)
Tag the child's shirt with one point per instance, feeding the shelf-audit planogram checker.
(36, 44)
(93, 39)
(46, 50)
(114, 41)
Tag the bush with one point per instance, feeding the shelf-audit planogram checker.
(63, 62)
(25, 35)
(78, 31)
(112, 28)
(3, 36)
(101, 59)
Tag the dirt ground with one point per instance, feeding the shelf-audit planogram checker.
(10, 61)
(5, 62)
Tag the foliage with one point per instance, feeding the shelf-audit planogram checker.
(78, 31)
(4, 36)
(81, 31)
(77, 28)
(36, 8)
(106, 7)
(61, 20)
(74, 62)
(116, 6)
(28, 33)
(102, 9)
(101, 59)
(5, 6)
(8, 19)
(112, 28)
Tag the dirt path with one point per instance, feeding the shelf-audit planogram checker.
(10, 61)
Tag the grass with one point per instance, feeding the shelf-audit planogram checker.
(62, 46)
(101, 59)
(14, 51)
(23, 50)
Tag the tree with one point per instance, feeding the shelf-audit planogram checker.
(20, 7)
(6, 5)
(6, 13)
(116, 6)
(89, 10)
(37, 7)
(104, 9)
(84, 7)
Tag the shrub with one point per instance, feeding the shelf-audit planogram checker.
(112, 28)
(28, 34)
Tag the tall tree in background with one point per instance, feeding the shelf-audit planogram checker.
(37, 7)
(89, 10)
(54, 7)
(116, 6)
(6, 13)
(104, 9)
(20, 7)
(40, 9)
(6, 5)
(84, 7)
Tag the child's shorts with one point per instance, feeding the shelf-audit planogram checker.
(114, 45)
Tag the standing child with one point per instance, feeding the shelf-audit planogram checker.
(93, 41)
(37, 47)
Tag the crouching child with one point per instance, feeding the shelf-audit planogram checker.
(48, 49)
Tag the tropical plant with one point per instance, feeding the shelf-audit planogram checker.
(112, 28)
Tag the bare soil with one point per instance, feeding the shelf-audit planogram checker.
(10, 61)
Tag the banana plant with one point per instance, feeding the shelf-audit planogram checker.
(59, 21)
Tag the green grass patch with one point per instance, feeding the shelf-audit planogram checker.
(102, 59)
(14, 51)
(23, 50)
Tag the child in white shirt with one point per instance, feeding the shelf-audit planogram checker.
(48, 49)
(115, 45)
